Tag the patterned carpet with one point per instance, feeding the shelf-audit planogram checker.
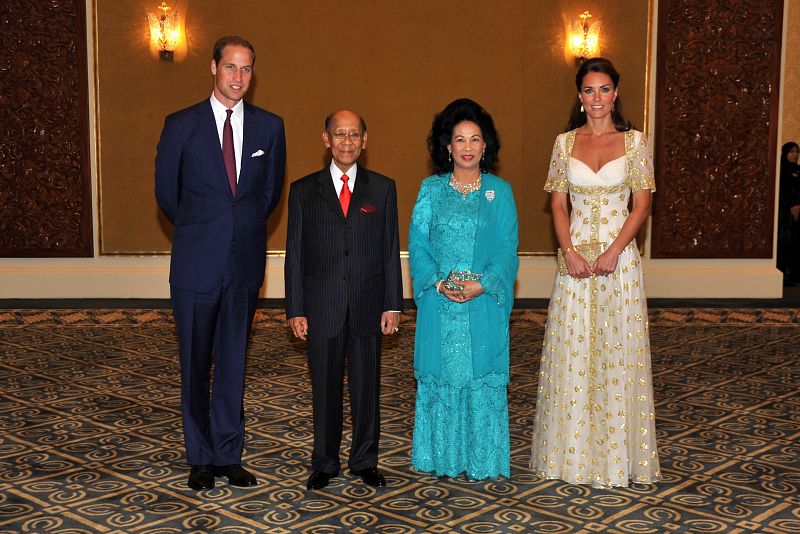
(90, 437)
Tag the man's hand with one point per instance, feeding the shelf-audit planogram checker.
(389, 322)
(299, 326)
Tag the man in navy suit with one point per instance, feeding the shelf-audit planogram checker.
(343, 290)
(219, 174)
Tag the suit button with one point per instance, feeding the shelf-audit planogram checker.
(234, 204)
(346, 252)
(345, 278)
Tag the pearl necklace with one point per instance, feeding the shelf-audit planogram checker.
(464, 189)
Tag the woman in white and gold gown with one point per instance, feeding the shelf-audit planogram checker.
(595, 422)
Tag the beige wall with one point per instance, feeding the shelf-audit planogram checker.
(397, 63)
(127, 130)
(791, 76)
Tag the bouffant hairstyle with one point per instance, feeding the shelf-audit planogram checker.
(441, 133)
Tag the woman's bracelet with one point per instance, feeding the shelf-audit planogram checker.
(438, 285)
(569, 249)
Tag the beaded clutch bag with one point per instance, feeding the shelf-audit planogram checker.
(589, 251)
(460, 276)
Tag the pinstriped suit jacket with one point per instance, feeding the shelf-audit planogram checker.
(336, 264)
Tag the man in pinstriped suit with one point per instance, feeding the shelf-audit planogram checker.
(343, 291)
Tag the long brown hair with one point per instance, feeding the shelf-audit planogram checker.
(577, 117)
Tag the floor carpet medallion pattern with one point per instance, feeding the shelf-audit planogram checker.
(90, 436)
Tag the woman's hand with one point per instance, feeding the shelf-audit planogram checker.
(577, 266)
(795, 212)
(471, 289)
(606, 263)
(452, 294)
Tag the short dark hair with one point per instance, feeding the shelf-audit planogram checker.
(441, 134)
(577, 118)
(329, 120)
(234, 40)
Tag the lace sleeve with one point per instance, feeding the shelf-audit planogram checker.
(557, 175)
(640, 162)
(493, 286)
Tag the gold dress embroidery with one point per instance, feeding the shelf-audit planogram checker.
(595, 421)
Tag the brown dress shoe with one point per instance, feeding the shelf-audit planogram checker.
(201, 477)
(237, 475)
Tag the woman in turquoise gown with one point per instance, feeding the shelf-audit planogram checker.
(463, 257)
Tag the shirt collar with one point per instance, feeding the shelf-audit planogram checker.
(219, 108)
(337, 173)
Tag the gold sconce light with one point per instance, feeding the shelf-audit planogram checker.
(165, 31)
(584, 37)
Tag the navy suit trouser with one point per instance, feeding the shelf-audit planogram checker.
(213, 328)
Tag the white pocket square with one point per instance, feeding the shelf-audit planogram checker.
(257, 153)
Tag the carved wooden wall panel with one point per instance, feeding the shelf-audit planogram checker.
(45, 180)
(718, 75)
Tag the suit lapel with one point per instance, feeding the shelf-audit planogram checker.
(360, 191)
(209, 127)
(249, 142)
(328, 192)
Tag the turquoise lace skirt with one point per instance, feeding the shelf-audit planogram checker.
(462, 430)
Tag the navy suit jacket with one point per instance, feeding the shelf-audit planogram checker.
(193, 192)
(337, 265)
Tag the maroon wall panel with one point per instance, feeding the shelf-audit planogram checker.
(45, 178)
(718, 74)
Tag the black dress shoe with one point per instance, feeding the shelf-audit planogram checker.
(319, 479)
(371, 476)
(237, 475)
(201, 477)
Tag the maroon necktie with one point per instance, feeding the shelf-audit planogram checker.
(344, 196)
(227, 151)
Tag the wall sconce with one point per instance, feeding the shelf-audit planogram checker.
(165, 31)
(584, 38)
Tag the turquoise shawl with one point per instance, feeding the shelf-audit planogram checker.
(495, 255)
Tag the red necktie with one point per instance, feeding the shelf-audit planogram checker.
(227, 151)
(344, 195)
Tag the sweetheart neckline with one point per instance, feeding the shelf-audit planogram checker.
(606, 164)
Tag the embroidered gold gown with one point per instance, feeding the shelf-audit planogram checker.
(595, 422)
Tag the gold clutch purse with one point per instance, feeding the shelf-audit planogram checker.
(589, 251)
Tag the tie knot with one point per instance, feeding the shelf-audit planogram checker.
(229, 112)
(345, 178)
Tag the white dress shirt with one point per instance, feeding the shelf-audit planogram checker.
(337, 174)
(237, 123)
